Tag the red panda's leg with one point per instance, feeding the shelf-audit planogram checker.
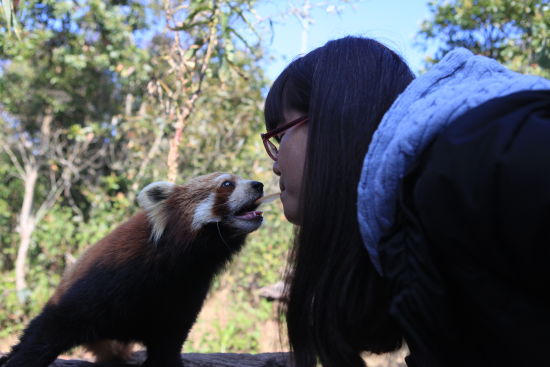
(34, 351)
(34, 356)
(164, 353)
(40, 344)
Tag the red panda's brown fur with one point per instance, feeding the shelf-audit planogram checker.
(107, 351)
(123, 243)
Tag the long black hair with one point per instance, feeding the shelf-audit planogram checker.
(337, 303)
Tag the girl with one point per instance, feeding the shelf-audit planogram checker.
(406, 204)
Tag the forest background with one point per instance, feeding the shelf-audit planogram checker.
(99, 98)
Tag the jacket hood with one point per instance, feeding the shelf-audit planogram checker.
(459, 82)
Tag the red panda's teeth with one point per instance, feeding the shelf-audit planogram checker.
(250, 215)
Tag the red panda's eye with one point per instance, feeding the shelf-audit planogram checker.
(228, 184)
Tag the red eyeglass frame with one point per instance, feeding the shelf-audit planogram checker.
(277, 131)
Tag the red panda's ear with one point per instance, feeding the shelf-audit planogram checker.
(155, 193)
(151, 199)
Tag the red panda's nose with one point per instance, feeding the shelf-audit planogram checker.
(258, 186)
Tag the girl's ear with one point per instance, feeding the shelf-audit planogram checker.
(153, 194)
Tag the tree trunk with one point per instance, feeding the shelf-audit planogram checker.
(173, 153)
(26, 228)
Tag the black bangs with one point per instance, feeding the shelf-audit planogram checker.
(290, 91)
(273, 109)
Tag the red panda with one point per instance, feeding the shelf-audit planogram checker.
(146, 281)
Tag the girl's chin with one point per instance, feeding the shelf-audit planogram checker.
(290, 208)
(285, 199)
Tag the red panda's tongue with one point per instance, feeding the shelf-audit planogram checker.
(249, 215)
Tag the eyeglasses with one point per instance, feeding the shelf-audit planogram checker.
(271, 139)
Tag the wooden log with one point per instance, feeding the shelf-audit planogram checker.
(200, 360)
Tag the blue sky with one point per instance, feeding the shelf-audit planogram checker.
(392, 22)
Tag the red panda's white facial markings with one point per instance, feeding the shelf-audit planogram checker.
(243, 192)
(217, 197)
(204, 213)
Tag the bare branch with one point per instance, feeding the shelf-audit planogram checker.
(50, 200)
(26, 157)
(45, 130)
(14, 161)
(154, 148)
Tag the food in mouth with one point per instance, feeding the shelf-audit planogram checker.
(267, 198)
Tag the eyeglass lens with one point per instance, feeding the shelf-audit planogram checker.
(272, 145)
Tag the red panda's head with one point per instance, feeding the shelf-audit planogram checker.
(217, 197)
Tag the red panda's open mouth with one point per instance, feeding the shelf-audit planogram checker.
(248, 212)
(250, 215)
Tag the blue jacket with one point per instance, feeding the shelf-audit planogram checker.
(454, 207)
